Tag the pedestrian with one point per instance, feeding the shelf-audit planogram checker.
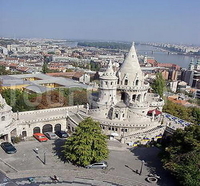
(56, 178)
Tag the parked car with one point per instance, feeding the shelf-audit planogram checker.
(50, 135)
(61, 134)
(100, 165)
(40, 137)
(8, 148)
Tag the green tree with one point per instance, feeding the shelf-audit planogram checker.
(87, 144)
(45, 68)
(18, 100)
(158, 84)
(182, 155)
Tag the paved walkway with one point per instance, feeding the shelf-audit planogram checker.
(122, 162)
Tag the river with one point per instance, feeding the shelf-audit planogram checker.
(164, 57)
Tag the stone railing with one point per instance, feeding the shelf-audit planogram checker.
(120, 124)
(138, 136)
(50, 110)
(42, 119)
(131, 88)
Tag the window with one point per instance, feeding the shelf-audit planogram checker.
(3, 118)
(126, 82)
(137, 81)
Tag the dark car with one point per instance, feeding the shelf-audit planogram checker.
(61, 134)
(8, 148)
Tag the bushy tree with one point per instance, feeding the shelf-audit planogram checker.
(190, 114)
(158, 84)
(18, 100)
(87, 144)
(182, 155)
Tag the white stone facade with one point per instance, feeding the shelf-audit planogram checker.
(124, 100)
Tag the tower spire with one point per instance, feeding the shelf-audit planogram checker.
(131, 63)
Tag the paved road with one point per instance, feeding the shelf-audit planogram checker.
(122, 162)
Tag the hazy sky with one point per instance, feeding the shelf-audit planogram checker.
(174, 21)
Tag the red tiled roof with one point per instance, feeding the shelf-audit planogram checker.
(157, 112)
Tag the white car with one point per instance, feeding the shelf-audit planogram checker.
(50, 135)
(100, 165)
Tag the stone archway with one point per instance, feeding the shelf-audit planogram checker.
(57, 127)
(13, 132)
(47, 128)
(36, 130)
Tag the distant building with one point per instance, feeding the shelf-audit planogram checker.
(173, 86)
(187, 76)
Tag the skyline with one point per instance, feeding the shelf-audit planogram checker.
(112, 20)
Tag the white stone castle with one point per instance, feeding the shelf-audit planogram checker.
(121, 108)
(124, 101)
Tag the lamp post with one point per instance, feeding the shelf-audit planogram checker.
(141, 167)
(44, 158)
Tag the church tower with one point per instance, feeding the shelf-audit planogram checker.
(131, 85)
(108, 87)
(197, 66)
(191, 65)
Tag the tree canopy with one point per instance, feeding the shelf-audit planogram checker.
(190, 114)
(158, 84)
(182, 155)
(22, 101)
(87, 144)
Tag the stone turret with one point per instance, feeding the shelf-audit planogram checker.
(108, 86)
(130, 72)
(5, 114)
(131, 84)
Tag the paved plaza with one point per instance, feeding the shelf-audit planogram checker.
(124, 165)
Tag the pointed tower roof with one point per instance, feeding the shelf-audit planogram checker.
(109, 73)
(131, 66)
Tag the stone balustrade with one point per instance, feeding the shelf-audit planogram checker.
(50, 110)
(132, 88)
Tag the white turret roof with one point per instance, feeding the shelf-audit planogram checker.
(131, 66)
(109, 73)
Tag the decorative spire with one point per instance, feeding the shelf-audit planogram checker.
(131, 63)
(110, 67)
(109, 73)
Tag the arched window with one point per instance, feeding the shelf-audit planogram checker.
(47, 128)
(136, 82)
(36, 130)
(126, 82)
(133, 97)
(3, 118)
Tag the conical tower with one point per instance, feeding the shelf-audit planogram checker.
(131, 79)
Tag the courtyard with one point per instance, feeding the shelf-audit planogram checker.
(124, 165)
